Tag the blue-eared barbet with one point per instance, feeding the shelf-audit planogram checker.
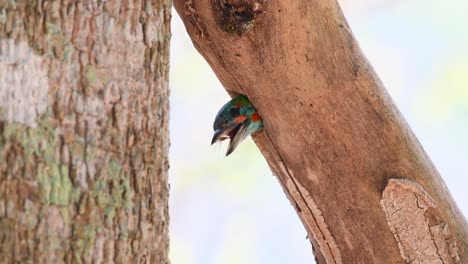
(236, 120)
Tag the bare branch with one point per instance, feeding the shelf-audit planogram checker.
(333, 136)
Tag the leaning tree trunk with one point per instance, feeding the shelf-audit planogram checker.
(84, 131)
(360, 181)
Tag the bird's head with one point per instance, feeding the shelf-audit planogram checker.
(236, 120)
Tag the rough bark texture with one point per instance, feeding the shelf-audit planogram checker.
(84, 131)
(361, 183)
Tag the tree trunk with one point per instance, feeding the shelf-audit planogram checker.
(358, 178)
(84, 131)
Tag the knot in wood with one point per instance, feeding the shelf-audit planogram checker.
(237, 16)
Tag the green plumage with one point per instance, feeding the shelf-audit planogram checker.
(236, 120)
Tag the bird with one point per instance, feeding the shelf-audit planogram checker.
(236, 120)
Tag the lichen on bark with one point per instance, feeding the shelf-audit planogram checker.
(83, 172)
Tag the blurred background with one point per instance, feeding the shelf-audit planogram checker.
(232, 210)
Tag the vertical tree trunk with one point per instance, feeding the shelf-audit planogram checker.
(358, 178)
(84, 131)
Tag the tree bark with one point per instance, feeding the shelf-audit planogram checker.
(357, 176)
(84, 131)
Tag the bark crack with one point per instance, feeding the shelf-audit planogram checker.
(191, 13)
(319, 228)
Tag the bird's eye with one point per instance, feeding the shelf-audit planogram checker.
(235, 112)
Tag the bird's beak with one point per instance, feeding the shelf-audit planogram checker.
(236, 133)
(240, 133)
(219, 135)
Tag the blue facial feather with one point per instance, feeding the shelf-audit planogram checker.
(236, 120)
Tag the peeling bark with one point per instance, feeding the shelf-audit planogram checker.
(406, 206)
(332, 135)
(84, 131)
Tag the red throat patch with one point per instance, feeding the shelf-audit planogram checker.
(255, 117)
(240, 119)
